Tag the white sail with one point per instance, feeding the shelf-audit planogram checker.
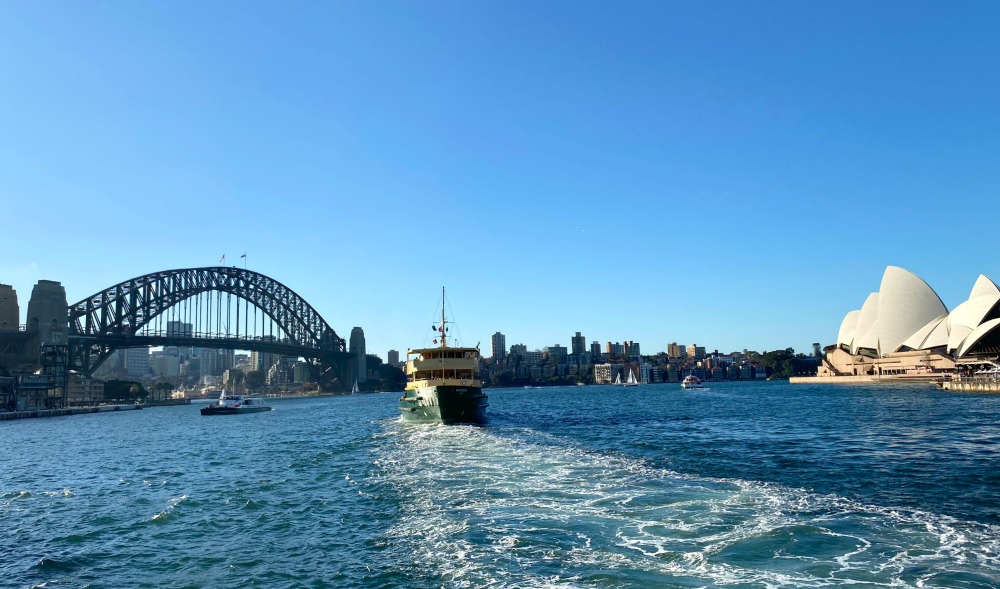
(631, 377)
(355, 389)
(618, 378)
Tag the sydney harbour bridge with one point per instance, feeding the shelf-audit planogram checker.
(214, 307)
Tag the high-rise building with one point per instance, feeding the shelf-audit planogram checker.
(215, 362)
(674, 350)
(499, 345)
(358, 349)
(10, 313)
(48, 312)
(137, 362)
(578, 344)
(595, 349)
(556, 354)
(695, 352)
(393, 358)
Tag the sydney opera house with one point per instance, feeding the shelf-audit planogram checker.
(905, 330)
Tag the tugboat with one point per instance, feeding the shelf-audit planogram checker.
(233, 403)
(443, 383)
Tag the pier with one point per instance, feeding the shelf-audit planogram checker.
(972, 384)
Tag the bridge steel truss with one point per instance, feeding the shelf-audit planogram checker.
(120, 316)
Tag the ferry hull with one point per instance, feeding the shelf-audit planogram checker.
(444, 404)
(231, 410)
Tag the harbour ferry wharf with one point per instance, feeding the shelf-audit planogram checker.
(987, 381)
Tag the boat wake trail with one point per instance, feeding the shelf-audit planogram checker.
(480, 508)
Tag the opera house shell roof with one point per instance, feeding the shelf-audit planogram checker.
(906, 314)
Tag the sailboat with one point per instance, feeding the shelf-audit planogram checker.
(618, 380)
(354, 389)
(631, 382)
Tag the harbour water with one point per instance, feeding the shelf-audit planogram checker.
(739, 485)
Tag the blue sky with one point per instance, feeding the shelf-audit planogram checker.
(731, 174)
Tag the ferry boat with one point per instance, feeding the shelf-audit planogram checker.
(443, 383)
(233, 403)
(691, 382)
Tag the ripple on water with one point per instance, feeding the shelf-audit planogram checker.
(742, 487)
(589, 512)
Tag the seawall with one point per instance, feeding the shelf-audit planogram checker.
(60, 412)
(866, 378)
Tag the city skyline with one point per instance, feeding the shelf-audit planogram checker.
(732, 175)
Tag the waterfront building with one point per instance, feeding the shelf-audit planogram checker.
(578, 344)
(48, 312)
(82, 391)
(602, 374)
(10, 313)
(532, 358)
(645, 372)
(498, 344)
(357, 348)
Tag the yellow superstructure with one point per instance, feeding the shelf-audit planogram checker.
(442, 367)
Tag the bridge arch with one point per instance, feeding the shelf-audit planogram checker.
(131, 314)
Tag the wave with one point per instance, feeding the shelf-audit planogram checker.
(524, 509)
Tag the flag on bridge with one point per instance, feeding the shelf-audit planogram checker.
(243, 256)
(223, 258)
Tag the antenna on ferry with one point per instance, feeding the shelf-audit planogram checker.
(444, 332)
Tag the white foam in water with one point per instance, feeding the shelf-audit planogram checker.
(520, 510)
